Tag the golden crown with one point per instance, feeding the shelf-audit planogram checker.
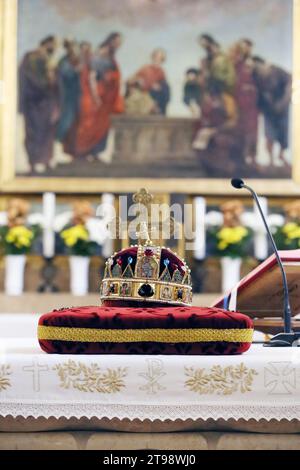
(145, 272)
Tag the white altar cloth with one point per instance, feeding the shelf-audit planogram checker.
(262, 383)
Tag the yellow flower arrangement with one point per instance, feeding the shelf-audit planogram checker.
(17, 239)
(291, 230)
(231, 236)
(287, 237)
(74, 234)
(232, 241)
(19, 236)
(77, 240)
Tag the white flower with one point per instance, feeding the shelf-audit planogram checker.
(97, 230)
(36, 219)
(61, 220)
(3, 218)
(214, 218)
(276, 220)
(251, 220)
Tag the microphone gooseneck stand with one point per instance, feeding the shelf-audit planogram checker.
(288, 337)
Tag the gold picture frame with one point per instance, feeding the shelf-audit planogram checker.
(10, 183)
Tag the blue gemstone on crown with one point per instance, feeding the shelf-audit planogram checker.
(130, 259)
(166, 262)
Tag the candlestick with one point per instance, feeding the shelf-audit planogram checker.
(48, 229)
(199, 241)
(260, 236)
(108, 214)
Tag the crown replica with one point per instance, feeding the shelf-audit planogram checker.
(146, 272)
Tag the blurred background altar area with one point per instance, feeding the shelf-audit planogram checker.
(54, 247)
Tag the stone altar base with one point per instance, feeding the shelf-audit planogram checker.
(84, 440)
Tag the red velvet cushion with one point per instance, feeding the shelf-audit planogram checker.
(160, 330)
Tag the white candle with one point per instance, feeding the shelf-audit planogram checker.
(199, 241)
(108, 214)
(48, 232)
(260, 236)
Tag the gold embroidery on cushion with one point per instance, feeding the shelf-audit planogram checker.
(5, 371)
(220, 380)
(158, 335)
(79, 376)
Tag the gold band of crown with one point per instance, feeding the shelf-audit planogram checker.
(128, 289)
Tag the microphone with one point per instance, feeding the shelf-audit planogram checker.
(288, 337)
(237, 183)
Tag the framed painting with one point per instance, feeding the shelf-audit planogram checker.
(175, 96)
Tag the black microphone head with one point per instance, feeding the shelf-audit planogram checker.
(237, 183)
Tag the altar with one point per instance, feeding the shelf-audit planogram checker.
(257, 392)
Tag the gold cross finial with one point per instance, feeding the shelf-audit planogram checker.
(148, 228)
(143, 198)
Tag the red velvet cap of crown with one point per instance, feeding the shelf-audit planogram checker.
(122, 256)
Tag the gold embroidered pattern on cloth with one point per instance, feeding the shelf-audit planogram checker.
(158, 335)
(5, 371)
(154, 372)
(220, 380)
(77, 375)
